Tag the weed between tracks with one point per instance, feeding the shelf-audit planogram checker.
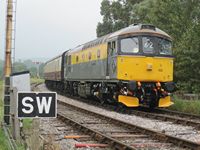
(37, 80)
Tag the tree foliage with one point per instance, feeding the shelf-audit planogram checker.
(19, 67)
(179, 18)
(29, 65)
(1, 69)
(116, 15)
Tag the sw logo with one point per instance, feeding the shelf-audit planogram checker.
(32, 104)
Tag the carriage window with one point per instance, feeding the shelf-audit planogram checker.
(148, 45)
(90, 56)
(164, 46)
(130, 45)
(83, 57)
(98, 53)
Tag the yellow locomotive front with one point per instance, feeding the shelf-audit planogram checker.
(145, 67)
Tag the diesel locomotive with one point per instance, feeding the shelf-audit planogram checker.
(132, 67)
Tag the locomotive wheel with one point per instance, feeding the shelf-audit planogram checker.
(152, 105)
(121, 108)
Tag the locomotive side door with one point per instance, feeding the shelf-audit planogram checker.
(111, 60)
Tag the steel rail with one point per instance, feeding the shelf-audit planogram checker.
(35, 85)
(180, 114)
(159, 114)
(154, 134)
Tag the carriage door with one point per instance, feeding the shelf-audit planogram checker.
(111, 60)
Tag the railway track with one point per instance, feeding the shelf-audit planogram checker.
(180, 114)
(152, 139)
(157, 136)
(172, 116)
(175, 117)
(34, 86)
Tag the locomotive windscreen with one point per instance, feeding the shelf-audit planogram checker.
(150, 45)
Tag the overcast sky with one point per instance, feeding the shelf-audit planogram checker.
(46, 28)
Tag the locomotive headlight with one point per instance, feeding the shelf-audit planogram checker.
(158, 84)
(170, 87)
(132, 85)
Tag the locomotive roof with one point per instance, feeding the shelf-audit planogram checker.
(135, 29)
(139, 29)
(56, 57)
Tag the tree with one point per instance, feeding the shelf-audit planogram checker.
(19, 67)
(33, 71)
(1, 69)
(104, 28)
(188, 63)
(116, 15)
(41, 70)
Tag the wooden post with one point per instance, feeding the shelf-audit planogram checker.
(7, 66)
(15, 122)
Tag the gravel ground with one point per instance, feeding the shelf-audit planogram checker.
(54, 137)
(108, 128)
(53, 132)
(185, 132)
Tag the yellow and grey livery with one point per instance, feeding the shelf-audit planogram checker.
(133, 67)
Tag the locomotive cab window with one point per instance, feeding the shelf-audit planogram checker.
(164, 46)
(130, 45)
(148, 44)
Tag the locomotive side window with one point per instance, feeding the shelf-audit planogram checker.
(76, 58)
(109, 46)
(69, 60)
(148, 45)
(164, 46)
(130, 45)
(113, 47)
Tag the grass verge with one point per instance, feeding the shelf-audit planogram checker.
(27, 124)
(3, 140)
(4, 144)
(188, 106)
